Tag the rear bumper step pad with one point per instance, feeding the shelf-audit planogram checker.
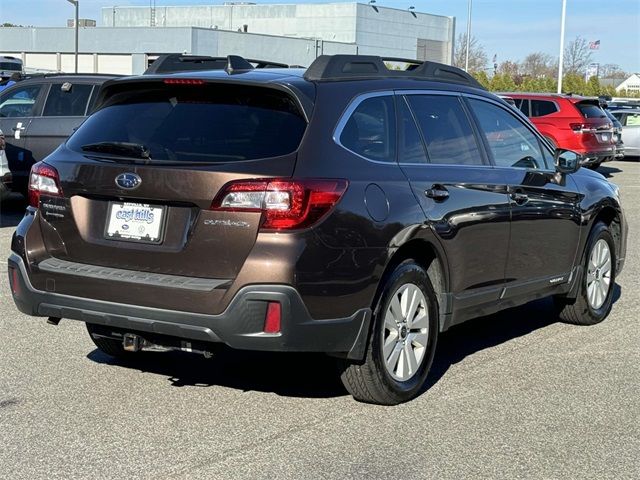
(55, 265)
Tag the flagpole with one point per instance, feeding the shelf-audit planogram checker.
(561, 60)
(466, 61)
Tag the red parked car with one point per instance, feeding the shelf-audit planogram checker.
(571, 122)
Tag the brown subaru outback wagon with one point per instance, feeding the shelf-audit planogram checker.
(346, 208)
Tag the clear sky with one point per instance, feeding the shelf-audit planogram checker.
(508, 28)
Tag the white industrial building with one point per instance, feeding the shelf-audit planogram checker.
(295, 34)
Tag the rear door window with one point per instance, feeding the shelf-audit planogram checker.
(20, 102)
(511, 142)
(589, 110)
(540, 108)
(370, 131)
(446, 130)
(67, 100)
(202, 123)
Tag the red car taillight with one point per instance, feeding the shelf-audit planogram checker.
(582, 128)
(43, 179)
(286, 204)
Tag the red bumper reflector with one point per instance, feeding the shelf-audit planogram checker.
(15, 281)
(272, 319)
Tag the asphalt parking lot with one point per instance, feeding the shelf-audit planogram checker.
(513, 395)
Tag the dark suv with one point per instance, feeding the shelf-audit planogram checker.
(347, 209)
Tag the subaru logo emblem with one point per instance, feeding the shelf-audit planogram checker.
(128, 181)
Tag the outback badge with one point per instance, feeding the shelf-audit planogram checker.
(128, 181)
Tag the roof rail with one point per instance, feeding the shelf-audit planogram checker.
(177, 62)
(327, 68)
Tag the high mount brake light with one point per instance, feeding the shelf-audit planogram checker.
(286, 204)
(43, 179)
(183, 81)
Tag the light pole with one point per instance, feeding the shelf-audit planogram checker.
(466, 60)
(75, 4)
(561, 60)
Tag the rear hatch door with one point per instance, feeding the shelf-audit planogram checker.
(596, 126)
(139, 176)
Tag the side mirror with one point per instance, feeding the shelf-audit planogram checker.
(567, 161)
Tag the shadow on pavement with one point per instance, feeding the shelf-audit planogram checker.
(607, 171)
(316, 375)
(12, 210)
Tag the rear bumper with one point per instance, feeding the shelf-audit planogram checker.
(239, 326)
(591, 158)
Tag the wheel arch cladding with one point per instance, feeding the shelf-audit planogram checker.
(425, 254)
(611, 218)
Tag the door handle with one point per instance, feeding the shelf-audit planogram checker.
(519, 197)
(437, 192)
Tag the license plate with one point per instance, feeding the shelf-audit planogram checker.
(135, 222)
(604, 137)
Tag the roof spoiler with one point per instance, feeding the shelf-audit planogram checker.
(327, 68)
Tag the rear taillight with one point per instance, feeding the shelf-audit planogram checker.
(286, 204)
(578, 127)
(44, 179)
(14, 281)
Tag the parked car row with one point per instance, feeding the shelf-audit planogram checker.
(346, 208)
(40, 111)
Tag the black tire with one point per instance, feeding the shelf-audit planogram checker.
(370, 381)
(579, 311)
(109, 346)
(595, 166)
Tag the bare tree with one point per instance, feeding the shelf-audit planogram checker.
(512, 69)
(477, 56)
(577, 56)
(612, 70)
(538, 65)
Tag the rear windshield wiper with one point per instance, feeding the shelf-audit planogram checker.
(123, 149)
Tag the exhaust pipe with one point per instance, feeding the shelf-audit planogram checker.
(53, 320)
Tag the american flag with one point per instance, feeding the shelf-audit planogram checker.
(594, 45)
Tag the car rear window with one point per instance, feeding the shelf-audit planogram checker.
(589, 110)
(198, 123)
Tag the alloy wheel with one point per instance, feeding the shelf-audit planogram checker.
(405, 332)
(599, 274)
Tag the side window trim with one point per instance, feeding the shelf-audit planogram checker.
(346, 115)
(542, 145)
(90, 100)
(486, 162)
(38, 109)
(403, 99)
